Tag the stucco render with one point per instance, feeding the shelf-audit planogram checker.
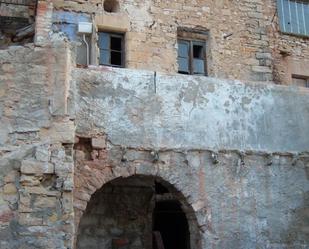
(185, 112)
(82, 147)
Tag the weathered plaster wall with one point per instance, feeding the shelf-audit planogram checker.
(36, 143)
(175, 111)
(232, 149)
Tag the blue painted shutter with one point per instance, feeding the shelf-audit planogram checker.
(104, 45)
(294, 16)
(183, 56)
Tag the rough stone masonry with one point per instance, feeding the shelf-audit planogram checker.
(89, 154)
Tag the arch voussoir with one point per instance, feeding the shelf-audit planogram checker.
(93, 174)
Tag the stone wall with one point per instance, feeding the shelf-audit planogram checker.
(36, 143)
(244, 38)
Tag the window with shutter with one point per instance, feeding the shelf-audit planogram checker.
(294, 16)
(192, 51)
(300, 80)
(111, 49)
(183, 56)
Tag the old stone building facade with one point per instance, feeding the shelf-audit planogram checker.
(128, 124)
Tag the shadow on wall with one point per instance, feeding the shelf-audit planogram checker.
(17, 19)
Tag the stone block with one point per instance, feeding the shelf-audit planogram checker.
(62, 132)
(119, 23)
(42, 153)
(29, 220)
(261, 69)
(255, 15)
(5, 215)
(68, 184)
(29, 167)
(98, 143)
(41, 191)
(80, 204)
(11, 177)
(9, 189)
(63, 168)
(24, 203)
(29, 180)
(263, 55)
(45, 202)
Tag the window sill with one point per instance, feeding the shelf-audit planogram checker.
(186, 74)
(306, 37)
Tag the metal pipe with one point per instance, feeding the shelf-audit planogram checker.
(87, 48)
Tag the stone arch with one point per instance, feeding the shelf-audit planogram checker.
(94, 171)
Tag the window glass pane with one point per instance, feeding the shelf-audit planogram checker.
(299, 82)
(183, 49)
(104, 57)
(198, 51)
(183, 65)
(116, 58)
(198, 66)
(306, 15)
(104, 40)
(116, 43)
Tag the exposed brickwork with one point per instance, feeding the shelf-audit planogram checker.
(43, 21)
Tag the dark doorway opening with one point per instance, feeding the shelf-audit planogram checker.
(170, 222)
(138, 212)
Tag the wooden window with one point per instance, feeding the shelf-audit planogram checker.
(111, 47)
(294, 16)
(301, 81)
(192, 52)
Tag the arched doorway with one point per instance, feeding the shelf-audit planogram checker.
(137, 212)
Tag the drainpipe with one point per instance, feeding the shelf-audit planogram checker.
(85, 28)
